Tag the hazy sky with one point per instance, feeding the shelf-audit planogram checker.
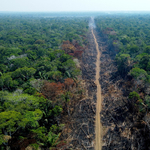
(74, 5)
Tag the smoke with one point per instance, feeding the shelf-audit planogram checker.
(92, 23)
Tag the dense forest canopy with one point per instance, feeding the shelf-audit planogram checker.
(38, 79)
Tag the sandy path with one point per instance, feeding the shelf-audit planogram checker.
(98, 105)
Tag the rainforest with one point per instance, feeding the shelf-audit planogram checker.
(74, 81)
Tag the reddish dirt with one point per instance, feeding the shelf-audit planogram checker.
(98, 104)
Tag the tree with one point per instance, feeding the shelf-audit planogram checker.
(143, 63)
(24, 73)
(9, 124)
(136, 102)
(6, 82)
(19, 112)
(69, 69)
(134, 96)
(19, 63)
(147, 49)
(140, 56)
(54, 75)
(134, 49)
(123, 63)
(138, 74)
(68, 84)
(3, 68)
(140, 77)
(52, 90)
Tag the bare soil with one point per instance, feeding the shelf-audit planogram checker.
(99, 101)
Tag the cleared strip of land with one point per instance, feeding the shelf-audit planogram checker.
(98, 105)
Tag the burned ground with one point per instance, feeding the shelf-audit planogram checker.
(123, 128)
(80, 132)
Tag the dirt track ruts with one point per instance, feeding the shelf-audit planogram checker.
(98, 105)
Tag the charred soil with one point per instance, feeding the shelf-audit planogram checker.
(79, 132)
(123, 128)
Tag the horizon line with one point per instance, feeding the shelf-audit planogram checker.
(80, 11)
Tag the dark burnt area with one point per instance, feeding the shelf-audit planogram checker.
(123, 126)
(81, 126)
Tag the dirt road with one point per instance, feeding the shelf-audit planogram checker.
(98, 105)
